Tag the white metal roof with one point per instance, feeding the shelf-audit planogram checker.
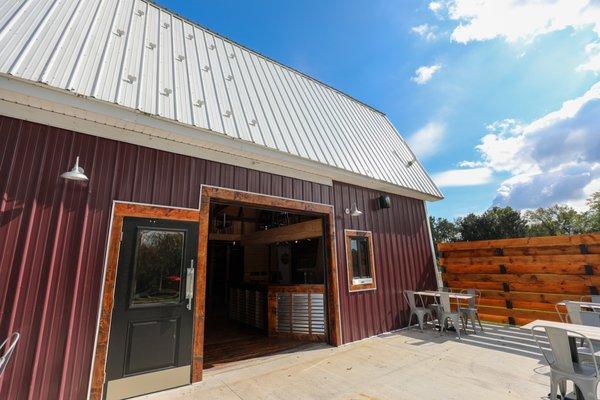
(138, 55)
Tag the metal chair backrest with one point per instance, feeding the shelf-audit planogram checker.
(593, 298)
(7, 348)
(473, 302)
(445, 289)
(589, 318)
(574, 312)
(409, 295)
(445, 302)
(561, 351)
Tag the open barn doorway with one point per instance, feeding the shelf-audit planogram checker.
(265, 282)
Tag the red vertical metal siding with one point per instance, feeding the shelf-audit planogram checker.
(403, 259)
(53, 237)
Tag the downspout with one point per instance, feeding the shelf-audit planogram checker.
(438, 274)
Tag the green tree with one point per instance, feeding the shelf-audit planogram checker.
(495, 223)
(593, 215)
(443, 230)
(556, 220)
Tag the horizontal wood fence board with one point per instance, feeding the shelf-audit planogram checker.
(522, 279)
(567, 288)
(566, 269)
(571, 259)
(518, 304)
(542, 241)
(547, 298)
(588, 280)
(519, 313)
(523, 251)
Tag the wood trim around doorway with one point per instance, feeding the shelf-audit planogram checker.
(207, 194)
(120, 211)
(212, 193)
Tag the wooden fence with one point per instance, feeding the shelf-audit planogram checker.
(522, 279)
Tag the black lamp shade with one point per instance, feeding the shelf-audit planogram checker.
(384, 201)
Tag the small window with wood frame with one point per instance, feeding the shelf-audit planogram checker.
(359, 260)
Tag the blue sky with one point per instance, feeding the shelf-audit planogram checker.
(505, 109)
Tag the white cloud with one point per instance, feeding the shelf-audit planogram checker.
(435, 6)
(512, 20)
(425, 73)
(427, 140)
(426, 31)
(554, 159)
(593, 63)
(471, 164)
(463, 177)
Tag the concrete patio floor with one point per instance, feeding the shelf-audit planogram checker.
(501, 363)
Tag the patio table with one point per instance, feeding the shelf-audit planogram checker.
(435, 293)
(583, 304)
(592, 332)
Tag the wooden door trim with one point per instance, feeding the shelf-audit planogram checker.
(213, 193)
(119, 212)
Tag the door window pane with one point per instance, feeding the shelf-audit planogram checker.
(158, 267)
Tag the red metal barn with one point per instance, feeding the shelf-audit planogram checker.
(219, 194)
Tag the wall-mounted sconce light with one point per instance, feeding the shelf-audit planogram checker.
(384, 201)
(76, 174)
(354, 211)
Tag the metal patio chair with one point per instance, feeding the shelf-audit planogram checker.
(7, 348)
(577, 316)
(435, 307)
(592, 298)
(562, 368)
(589, 318)
(447, 314)
(472, 309)
(420, 312)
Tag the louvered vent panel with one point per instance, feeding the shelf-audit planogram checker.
(284, 312)
(301, 313)
(317, 316)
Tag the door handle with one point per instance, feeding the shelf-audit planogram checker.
(189, 284)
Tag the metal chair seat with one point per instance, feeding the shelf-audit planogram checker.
(419, 312)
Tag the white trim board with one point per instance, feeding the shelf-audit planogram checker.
(41, 104)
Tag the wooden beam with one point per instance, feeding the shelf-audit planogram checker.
(225, 237)
(302, 230)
